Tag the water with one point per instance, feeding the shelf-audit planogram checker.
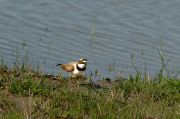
(60, 31)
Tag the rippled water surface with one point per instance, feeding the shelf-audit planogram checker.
(60, 31)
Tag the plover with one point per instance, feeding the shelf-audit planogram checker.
(75, 68)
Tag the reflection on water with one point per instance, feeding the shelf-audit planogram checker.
(125, 33)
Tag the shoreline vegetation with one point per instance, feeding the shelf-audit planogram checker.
(25, 92)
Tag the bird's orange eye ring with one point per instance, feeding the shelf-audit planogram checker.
(81, 61)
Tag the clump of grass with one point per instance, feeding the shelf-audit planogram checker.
(49, 45)
(145, 71)
(23, 43)
(163, 64)
(132, 55)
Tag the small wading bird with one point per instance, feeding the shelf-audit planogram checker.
(74, 68)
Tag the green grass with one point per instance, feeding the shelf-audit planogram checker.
(27, 93)
(131, 98)
(93, 26)
(132, 55)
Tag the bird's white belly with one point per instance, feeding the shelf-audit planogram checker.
(76, 72)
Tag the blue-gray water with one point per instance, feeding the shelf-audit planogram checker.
(65, 26)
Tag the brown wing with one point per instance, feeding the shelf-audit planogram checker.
(71, 63)
(69, 67)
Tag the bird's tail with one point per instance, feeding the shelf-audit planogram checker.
(59, 65)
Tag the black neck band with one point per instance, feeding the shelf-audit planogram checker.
(80, 69)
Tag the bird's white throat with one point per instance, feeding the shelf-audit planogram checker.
(81, 65)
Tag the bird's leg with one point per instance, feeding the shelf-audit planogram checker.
(77, 77)
(70, 76)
